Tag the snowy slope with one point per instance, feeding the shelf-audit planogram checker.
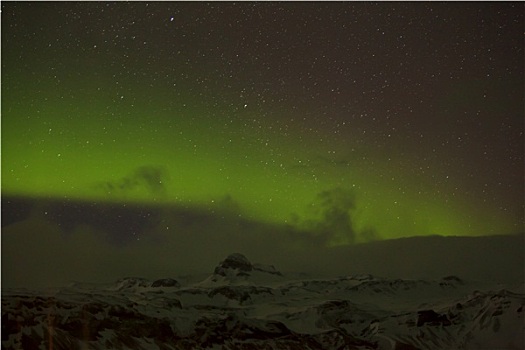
(249, 306)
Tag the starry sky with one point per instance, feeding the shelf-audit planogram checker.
(343, 122)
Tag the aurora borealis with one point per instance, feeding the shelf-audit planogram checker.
(396, 119)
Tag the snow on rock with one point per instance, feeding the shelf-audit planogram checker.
(234, 263)
(165, 282)
(238, 265)
(236, 269)
(250, 306)
(130, 283)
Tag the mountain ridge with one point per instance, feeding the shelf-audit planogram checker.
(246, 307)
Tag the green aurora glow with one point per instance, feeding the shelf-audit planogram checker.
(68, 136)
(56, 152)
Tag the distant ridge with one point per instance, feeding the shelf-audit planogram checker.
(491, 258)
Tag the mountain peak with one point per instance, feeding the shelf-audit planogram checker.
(235, 261)
(237, 264)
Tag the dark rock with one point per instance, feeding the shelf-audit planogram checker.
(123, 312)
(93, 308)
(131, 282)
(239, 293)
(31, 341)
(335, 305)
(432, 318)
(241, 266)
(173, 303)
(267, 269)
(165, 282)
(404, 346)
(209, 332)
(234, 261)
(453, 278)
(9, 326)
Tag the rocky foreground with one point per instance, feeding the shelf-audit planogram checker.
(251, 306)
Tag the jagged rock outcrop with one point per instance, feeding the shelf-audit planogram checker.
(262, 311)
(432, 318)
(165, 282)
(236, 262)
(130, 282)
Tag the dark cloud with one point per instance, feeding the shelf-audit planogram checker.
(227, 204)
(150, 178)
(35, 253)
(15, 209)
(96, 241)
(153, 177)
(65, 240)
(328, 222)
(118, 223)
(122, 223)
(330, 219)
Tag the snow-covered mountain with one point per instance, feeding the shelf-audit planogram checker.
(251, 306)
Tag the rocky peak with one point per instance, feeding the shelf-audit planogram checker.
(237, 265)
(165, 282)
(130, 282)
(235, 261)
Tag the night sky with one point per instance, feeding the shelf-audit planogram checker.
(343, 122)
